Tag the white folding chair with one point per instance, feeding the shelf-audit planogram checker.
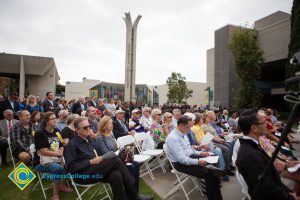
(39, 175)
(156, 153)
(243, 184)
(13, 159)
(181, 179)
(103, 187)
(101, 190)
(142, 159)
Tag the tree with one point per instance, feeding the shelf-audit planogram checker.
(248, 59)
(60, 89)
(178, 91)
(294, 45)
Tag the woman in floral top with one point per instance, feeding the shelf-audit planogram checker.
(156, 130)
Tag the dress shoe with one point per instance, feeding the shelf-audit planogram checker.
(216, 171)
(145, 197)
(225, 178)
(230, 173)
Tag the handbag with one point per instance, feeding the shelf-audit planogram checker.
(126, 155)
(46, 160)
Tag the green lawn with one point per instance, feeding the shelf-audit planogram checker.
(9, 191)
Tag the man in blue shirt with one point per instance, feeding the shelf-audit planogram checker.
(182, 155)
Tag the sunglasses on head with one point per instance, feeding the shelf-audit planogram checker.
(87, 127)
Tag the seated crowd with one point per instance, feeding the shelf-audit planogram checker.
(78, 137)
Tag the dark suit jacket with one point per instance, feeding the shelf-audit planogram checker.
(6, 105)
(251, 160)
(78, 105)
(47, 105)
(118, 130)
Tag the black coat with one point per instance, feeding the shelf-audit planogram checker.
(77, 106)
(6, 105)
(118, 130)
(251, 160)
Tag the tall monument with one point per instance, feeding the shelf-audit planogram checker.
(130, 61)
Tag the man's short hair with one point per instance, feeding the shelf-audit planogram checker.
(247, 118)
(176, 110)
(47, 94)
(78, 120)
(184, 120)
(7, 111)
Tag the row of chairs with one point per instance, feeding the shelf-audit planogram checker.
(150, 159)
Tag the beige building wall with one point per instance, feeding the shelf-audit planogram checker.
(40, 85)
(75, 89)
(199, 95)
(279, 32)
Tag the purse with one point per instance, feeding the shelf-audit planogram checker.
(126, 155)
(46, 160)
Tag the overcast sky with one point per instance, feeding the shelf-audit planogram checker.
(87, 37)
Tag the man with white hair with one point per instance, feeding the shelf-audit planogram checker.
(61, 122)
(176, 116)
(80, 104)
(6, 126)
(225, 115)
(146, 119)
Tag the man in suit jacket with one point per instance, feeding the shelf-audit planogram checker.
(10, 103)
(119, 128)
(49, 104)
(80, 104)
(251, 160)
(5, 129)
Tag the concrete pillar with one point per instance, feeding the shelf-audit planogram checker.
(130, 61)
(22, 79)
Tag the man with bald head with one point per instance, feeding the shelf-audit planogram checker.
(5, 129)
(22, 138)
(61, 122)
(79, 104)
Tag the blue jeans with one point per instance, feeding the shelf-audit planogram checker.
(218, 152)
(52, 168)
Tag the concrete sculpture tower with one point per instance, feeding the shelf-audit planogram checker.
(130, 61)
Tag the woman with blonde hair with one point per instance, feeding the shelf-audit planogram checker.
(156, 129)
(106, 142)
(31, 104)
(167, 123)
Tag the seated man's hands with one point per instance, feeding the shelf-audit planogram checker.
(131, 132)
(204, 154)
(202, 163)
(96, 160)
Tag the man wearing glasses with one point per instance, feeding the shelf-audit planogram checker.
(81, 157)
(22, 138)
(252, 159)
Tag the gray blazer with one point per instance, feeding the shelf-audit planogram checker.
(3, 127)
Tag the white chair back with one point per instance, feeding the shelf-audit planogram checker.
(125, 140)
(243, 184)
(141, 136)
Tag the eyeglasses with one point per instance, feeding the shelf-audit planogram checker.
(87, 127)
(54, 118)
(264, 122)
(159, 114)
(170, 117)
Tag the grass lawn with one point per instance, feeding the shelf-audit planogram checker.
(9, 191)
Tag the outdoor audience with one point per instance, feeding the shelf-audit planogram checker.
(244, 142)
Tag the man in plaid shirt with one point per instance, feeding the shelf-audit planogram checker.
(22, 138)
